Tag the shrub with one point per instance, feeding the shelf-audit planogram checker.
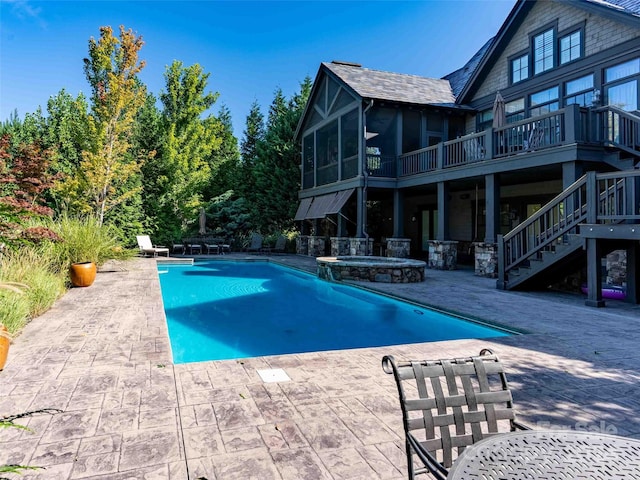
(84, 240)
(28, 266)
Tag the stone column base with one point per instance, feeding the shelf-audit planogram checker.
(486, 259)
(360, 247)
(316, 246)
(398, 247)
(339, 246)
(302, 245)
(443, 255)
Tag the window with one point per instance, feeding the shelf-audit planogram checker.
(623, 70)
(485, 119)
(515, 110)
(543, 51)
(543, 102)
(621, 88)
(579, 91)
(571, 47)
(520, 68)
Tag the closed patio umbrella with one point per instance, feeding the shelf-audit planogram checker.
(499, 112)
(203, 221)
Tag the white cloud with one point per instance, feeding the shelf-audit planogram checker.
(24, 10)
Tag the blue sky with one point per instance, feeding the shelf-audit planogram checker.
(248, 48)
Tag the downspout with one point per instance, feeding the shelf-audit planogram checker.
(365, 174)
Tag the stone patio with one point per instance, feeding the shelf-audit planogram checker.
(102, 355)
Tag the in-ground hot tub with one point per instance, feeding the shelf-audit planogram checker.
(371, 269)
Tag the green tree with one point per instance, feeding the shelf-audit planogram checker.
(225, 160)
(277, 171)
(104, 179)
(189, 143)
(253, 134)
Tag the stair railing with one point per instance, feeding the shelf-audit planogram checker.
(561, 216)
(618, 128)
(594, 198)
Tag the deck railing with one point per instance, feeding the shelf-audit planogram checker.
(617, 128)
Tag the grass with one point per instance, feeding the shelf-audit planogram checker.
(44, 268)
(28, 266)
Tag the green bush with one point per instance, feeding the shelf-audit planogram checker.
(44, 286)
(84, 240)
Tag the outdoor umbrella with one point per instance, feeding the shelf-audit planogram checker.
(499, 113)
(203, 221)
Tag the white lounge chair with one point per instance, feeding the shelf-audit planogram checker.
(147, 248)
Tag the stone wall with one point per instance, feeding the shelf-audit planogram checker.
(616, 268)
(360, 246)
(486, 259)
(398, 247)
(302, 245)
(390, 274)
(340, 246)
(443, 255)
(316, 246)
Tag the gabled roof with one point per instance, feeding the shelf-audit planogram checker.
(393, 87)
(460, 77)
(621, 10)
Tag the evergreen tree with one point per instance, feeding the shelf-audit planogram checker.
(277, 171)
(253, 134)
(225, 160)
(189, 143)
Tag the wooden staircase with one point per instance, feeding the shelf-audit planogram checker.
(546, 241)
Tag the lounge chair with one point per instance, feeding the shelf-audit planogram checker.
(448, 405)
(147, 248)
(256, 243)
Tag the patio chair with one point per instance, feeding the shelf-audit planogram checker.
(448, 405)
(256, 243)
(147, 248)
(280, 245)
(212, 245)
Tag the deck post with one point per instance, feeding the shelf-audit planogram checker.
(594, 274)
(501, 283)
(443, 211)
(492, 207)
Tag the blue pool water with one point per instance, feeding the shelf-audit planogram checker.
(227, 310)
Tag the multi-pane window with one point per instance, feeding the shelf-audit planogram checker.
(579, 91)
(621, 85)
(520, 68)
(543, 102)
(514, 110)
(485, 119)
(571, 47)
(543, 52)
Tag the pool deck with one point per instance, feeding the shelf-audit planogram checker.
(102, 355)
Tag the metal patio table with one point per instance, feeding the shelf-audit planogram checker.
(549, 454)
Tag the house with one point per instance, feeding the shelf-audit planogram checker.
(526, 156)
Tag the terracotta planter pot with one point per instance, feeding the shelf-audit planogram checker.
(4, 345)
(83, 274)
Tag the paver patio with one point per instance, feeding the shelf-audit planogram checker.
(102, 355)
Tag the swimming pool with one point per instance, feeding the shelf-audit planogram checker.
(222, 310)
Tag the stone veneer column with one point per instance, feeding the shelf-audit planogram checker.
(339, 246)
(302, 245)
(443, 254)
(398, 247)
(486, 259)
(360, 246)
(316, 246)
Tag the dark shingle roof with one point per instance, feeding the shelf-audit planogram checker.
(395, 87)
(460, 77)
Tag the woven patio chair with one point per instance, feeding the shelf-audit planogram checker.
(448, 405)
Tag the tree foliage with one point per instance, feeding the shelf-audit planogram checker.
(189, 142)
(107, 166)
